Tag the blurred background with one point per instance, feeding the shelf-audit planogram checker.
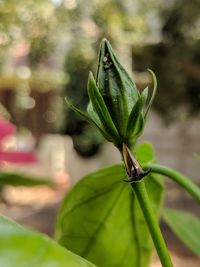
(46, 51)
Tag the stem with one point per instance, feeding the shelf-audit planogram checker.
(142, 196)
(179, 178)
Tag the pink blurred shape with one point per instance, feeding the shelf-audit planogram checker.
(6, 128)
(17, 157)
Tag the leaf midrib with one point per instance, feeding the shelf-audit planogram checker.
(99, 228)
(82, 202)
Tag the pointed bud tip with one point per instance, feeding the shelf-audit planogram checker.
(153, 76)
(91, 78)
(104, 41)
(105, 45)
(90, 75)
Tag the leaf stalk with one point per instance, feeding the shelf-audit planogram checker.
(158, 240)
(177, 177)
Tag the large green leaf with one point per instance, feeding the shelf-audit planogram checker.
(17, 179)
(186, 226)
(20, 247)
(100, 219)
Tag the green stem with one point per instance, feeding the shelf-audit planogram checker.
(142, 196)
(179, 178)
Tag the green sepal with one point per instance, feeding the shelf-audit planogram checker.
(93, 115)
(101, 109)
(116, 87)
(136, 123)
(89, 120)
(153, 93)
(139, 127)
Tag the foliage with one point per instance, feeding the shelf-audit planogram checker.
(39, 81)
(186, 226)
(101, 218)
(104, 237)
(17, 179)
(175, 58)
(31, 21)
(22, 247)
(99, 198)
(114, 99)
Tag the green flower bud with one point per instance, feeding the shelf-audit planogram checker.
(116, 106)
(116, 87)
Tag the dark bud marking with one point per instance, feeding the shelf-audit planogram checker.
(133, 168)
(107, 62)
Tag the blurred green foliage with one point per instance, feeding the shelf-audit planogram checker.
(77, 65)
(18, 179)
(31, 21)
(175, 60)
(36, 249)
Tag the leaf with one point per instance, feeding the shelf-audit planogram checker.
(145, 152)
(186, 226)
(20, 247)
(100, 219)
(16, 179)
(197, 156)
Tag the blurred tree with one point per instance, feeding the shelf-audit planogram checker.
(176, 60)
(31, 21)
